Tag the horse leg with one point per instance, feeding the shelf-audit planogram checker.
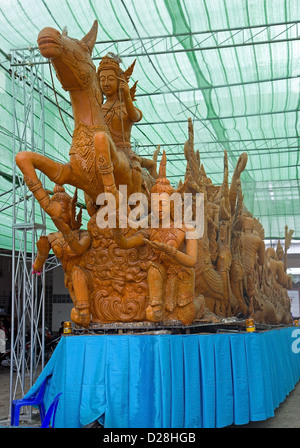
(105, 164)
(59, 173)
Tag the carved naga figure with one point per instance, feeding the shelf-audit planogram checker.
(254, 253)
(236, 268)
(208, 281)
(276, 269)
(214, 276)
(287, 282)
(224, 241)
(95, 165)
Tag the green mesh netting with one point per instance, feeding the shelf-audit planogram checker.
(230, 65)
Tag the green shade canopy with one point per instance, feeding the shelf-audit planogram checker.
(232, 66)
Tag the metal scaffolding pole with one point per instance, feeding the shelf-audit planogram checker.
(29, 222)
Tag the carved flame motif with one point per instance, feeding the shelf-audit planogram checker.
(121, 291)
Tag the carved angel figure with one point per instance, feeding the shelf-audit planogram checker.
(69, 244)
(119, 110)
(171, 278)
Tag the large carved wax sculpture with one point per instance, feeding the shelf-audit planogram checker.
(135, 273)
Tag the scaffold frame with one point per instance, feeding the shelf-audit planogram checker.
(28, 290)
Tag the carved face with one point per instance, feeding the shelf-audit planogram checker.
(71, 58)
(50, 43)
(161, 207)
(65, 211)
(279, 253)
(270, 252)
(108, 82)
(65, 202)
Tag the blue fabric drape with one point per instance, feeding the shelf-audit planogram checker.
(171, 381)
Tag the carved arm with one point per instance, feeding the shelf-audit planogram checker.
(188, 259)
(44, 247)
(129, 242)
(77, 246)
(133, 113)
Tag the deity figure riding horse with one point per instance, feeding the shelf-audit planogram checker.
(96, 164)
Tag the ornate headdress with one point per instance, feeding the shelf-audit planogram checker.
(112, 62)
(162, 184)
(279, 251)
(61, 195)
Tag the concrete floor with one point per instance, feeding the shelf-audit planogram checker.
(287, 415)
(4, 400)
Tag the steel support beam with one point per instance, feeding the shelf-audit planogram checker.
(155, 145)
(208, 154)
(155, 123)
(194, 33)
(210, 47)
(28, 291)
(231, 170)
(212, 87)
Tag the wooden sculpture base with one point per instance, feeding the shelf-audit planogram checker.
(201, 326)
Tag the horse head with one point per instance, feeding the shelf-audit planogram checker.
(71, 58)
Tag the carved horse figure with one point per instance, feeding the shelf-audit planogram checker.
(95, 164)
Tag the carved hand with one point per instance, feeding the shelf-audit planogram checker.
(62, 226)
(162, 247)
(43, 246)
(124, 88)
